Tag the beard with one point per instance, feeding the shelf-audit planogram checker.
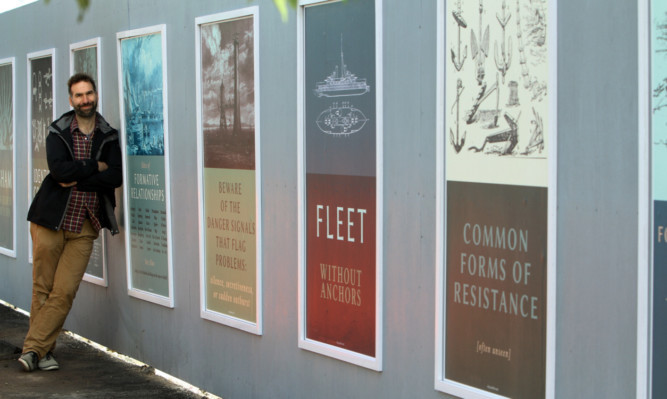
(86, 113)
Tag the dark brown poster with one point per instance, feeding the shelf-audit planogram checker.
(496, 288)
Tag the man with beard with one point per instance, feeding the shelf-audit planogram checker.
(76, 200)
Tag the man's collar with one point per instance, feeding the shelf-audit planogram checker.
(74, 125)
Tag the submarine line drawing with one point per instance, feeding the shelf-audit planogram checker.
(341, 119)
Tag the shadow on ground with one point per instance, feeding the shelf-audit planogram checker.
(85, 372)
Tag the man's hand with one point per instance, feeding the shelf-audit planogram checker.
(71, 184)
(102, 166)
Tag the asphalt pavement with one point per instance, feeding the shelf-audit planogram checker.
(85, 371)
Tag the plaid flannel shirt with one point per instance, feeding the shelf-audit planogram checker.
(82, 204)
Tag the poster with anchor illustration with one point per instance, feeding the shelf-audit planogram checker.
(658, 64)
(7, 159)
(494, 195)
(339, 183)
(496, 106)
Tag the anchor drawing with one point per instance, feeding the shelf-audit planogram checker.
(459, 59)
(472, 114)
(481, 51)
(504, 58)
(506, 139)
(522, 54)
(536, 142)
(458, 144)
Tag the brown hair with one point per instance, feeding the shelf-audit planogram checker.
(80, 77)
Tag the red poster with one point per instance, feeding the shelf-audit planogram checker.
(339, 269)
(341, 261)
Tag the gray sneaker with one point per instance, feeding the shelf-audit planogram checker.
(48, 362)
(29, 361)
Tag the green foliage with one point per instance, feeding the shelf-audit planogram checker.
(281, 5)
(83, 6)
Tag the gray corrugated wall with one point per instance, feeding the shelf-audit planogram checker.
(597, 204)
(597, 199)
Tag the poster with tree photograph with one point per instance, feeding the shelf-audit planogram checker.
(229, 173)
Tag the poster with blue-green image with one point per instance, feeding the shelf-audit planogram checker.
(146, 182)
(659, 190)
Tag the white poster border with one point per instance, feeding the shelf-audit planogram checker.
(645, 216)
(441, 383)
(33, 56)
(11, 252)
(90, 43)
(373, 363)
(205, 313)
(167, 301)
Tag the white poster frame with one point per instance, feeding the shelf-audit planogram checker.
(441, 383)
(373, 363)
(645, 209)
(11, 252)
(90, 43)
(205, 313)
(33, 56)
(167, 301)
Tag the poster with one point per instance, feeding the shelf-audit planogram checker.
(496, 98)
(7, 159)
(83, 58)
(228, 166)
(41, 112)
(495, 192)
(496, 285)
(341, 130)
(658, 66)
(659, 297)
(142, 77)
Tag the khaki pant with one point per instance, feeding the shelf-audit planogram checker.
(59, 260)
